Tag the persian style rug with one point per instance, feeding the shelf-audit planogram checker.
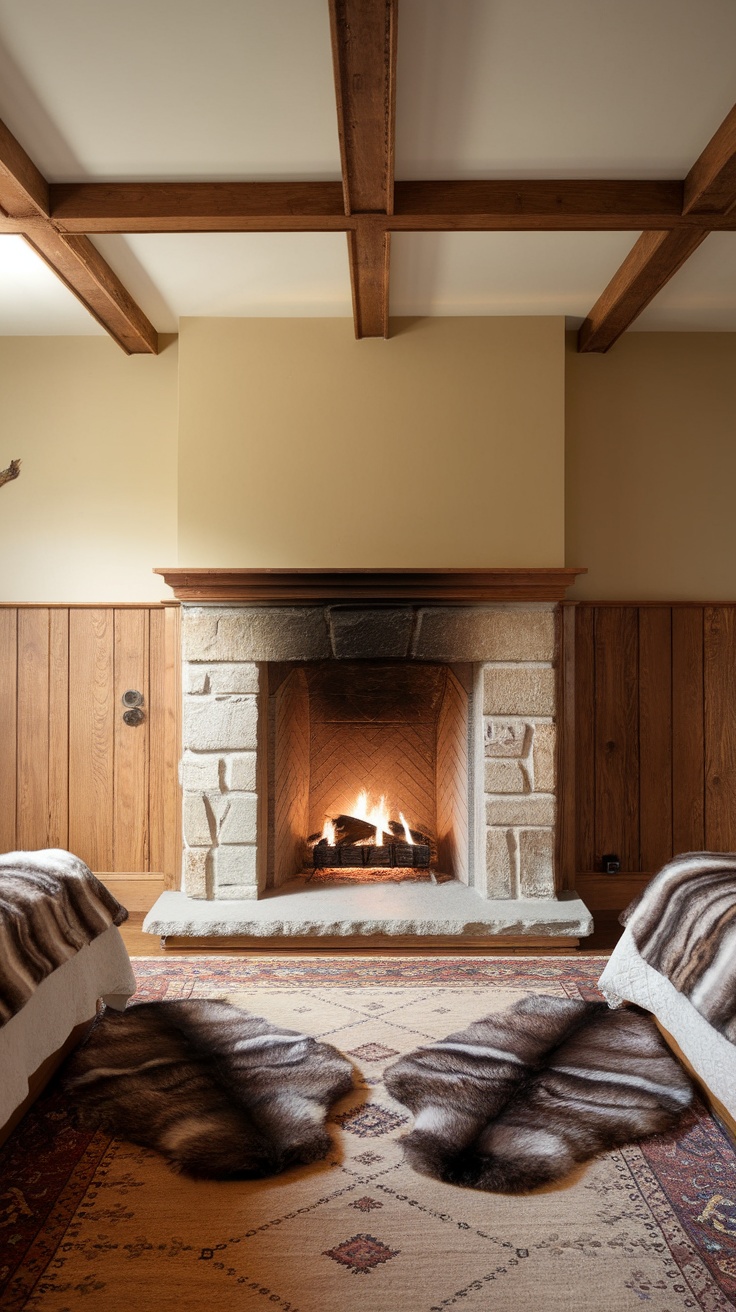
(87, 1222)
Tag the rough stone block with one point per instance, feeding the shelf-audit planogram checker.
(235, 867)
(240, 772)
(500, 863)
(196, 680)
(239, 819)
(370, 634)
(518, 690)
(536, 863)
(544, 747)
(214, 724)
(505, 775)
(194, 871)
(200, 774)
(233, 677)
(247, 633)
(234, 893)
(506, 737)
(493, 633)
(533, 809)
(196, 821)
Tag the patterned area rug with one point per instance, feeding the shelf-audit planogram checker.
(90, 1223)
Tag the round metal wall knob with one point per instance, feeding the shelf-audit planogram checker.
(133, 717)
(132, 698)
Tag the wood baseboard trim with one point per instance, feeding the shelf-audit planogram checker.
(384, 943)
(136, 892)
(609, 892)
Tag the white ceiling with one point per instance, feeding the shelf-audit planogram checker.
(244, 89)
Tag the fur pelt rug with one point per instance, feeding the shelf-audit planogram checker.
(517, 1099)
(222, 1094)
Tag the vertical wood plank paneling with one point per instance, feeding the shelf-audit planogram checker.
(616, 735)
(130, 751)
(91, 663)
(8, 727)
(164, 715)
(719, 667)
(688, 752)
(32, 806)
(585, 736)
(59, 727)
(655, 736)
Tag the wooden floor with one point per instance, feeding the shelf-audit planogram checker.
(607, 933)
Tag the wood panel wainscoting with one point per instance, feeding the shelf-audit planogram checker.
(73, 774)
(647, 752)
(648, 742)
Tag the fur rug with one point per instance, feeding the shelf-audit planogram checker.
(222, 1094)
(518, 1098)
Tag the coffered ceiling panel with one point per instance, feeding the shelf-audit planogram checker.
(264, 273)
(561, 88)
(503, 272)
(170, 88)
(244, 90)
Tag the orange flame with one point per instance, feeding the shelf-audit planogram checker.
(328, 833)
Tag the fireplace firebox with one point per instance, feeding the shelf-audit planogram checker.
(368, 771)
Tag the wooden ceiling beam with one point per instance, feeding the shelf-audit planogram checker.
(710, 186)
(709, 192)
(493, 206)
(23, 190)
(650, 264)
(79, 265)
(364, 62)
(198, 206)
(369, 249)
(24, 197)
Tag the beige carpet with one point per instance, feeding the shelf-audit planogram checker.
(361, 1232)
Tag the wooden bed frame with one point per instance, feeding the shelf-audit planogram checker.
(721, 1114)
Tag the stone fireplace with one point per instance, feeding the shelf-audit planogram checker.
(447, 712)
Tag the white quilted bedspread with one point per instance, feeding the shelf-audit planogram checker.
(628, 978)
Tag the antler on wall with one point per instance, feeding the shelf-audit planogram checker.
(12, 471)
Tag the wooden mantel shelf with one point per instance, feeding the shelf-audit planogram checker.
(303, 587)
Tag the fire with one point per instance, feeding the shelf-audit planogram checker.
(328, 833)
(377, 816)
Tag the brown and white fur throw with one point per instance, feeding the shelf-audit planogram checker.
(222, 1094)
(51, 906)
(684, 926)
(518, 1098)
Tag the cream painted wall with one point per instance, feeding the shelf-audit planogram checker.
(301, 447)
(94, 508)
(651, 467)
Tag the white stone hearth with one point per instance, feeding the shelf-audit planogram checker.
(324, 910)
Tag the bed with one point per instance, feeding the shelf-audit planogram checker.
(60, 952)
(677, 959)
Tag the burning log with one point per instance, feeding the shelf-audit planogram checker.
(391, 855)
(349, 829)
(367, 838)
(398, 831)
